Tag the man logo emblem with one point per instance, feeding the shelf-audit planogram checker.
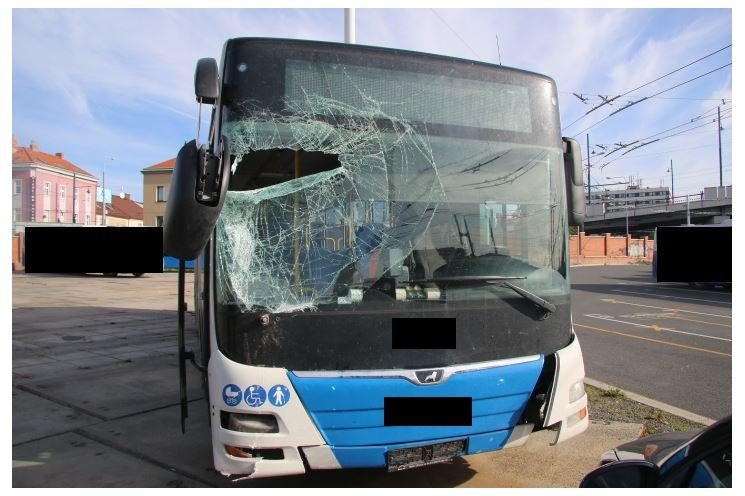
(428, 376)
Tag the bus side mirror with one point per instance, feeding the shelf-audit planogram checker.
(198, 188)
(574, 182)
(206, 81)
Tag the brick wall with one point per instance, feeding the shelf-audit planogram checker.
(17, 253)
(605, 249)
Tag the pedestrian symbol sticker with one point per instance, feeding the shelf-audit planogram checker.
(279, 395)
(255, 395)
(231, 395)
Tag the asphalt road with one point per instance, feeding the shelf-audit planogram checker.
(95, 402)
(667, 341)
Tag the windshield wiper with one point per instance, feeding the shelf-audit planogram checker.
(546, 305)
(500, 280)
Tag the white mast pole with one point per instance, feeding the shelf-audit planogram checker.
(349, 31)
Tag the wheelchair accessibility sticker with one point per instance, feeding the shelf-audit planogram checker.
(231, 395)
(255, 395)
(279, 395)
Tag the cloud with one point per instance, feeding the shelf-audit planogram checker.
(91, 80)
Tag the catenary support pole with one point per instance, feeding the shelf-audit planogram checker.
(350, 36)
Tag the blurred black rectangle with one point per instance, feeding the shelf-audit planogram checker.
(423, 333)
(120, 250)
(427, 411)
(693, 254)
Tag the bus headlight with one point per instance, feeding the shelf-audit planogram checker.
(577, 391)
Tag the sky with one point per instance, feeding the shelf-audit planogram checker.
(118, 83)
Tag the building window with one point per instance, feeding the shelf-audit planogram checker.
(87, 219)
(47, 188)
(62, 191)
(160, 194)
(158, 221)
(17, 187)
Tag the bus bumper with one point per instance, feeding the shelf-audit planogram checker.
(567, 412)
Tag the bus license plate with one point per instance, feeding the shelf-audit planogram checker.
(405, 458)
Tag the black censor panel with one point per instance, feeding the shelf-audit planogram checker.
(694, 254)
(417, 411)
(121, 250)
(423, 333)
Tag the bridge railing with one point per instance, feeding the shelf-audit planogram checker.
(634, 208)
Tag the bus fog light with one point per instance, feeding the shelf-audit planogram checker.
(577, 391)
(237, 452)
(573, 419)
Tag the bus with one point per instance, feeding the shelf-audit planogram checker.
(382, 274)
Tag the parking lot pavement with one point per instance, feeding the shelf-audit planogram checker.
(95, 402)
(669, 342)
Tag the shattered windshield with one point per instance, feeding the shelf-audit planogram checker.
(353, 179)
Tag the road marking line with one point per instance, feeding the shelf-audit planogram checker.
(653, 340)
(663, 286)
(669, 315)
(611, 300)
(697, 321)
(654, 327)
(668, 296)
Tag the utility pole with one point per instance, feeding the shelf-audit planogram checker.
(349, 27)
(672, 183)
(588, 169)
(719, 131)
(499, 52)
(103, 191)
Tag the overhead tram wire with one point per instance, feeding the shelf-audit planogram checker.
(646, 98)
(608, 101)
(658, 139)
(456, 34)
(708, 113)
(723, 100)
(663, 152)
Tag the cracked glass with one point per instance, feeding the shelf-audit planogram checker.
(357, 180)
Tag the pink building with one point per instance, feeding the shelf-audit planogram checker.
(48, 188)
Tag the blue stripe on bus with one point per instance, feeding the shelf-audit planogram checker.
(348, 411)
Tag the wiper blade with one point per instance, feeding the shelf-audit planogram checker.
(500, 280)
(468, 279)
(546, 305)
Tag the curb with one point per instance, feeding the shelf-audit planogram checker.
(673, 410)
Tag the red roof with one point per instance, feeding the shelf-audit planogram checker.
(31, 155)
(165, 165)
(124, 208)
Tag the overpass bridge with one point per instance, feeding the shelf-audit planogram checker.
(646, 217)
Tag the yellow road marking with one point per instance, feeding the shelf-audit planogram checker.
(653, 340)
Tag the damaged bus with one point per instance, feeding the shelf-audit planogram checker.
(382, 272)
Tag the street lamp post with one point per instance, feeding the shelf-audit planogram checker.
(103, 190)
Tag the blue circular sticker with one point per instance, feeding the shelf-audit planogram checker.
(231, 395)
(255, 395)
(279, 395)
